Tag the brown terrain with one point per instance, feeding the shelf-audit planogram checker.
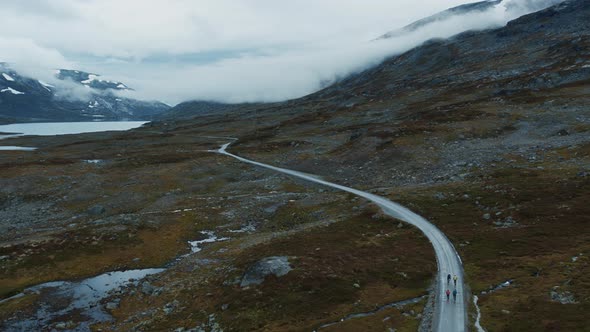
(486, 135)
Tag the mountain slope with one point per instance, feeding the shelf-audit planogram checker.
(74, 96)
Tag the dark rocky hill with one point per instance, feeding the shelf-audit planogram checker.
(191, 109)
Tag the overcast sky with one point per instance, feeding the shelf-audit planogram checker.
(225, 50)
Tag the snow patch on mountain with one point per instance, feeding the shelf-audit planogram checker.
(7, 77)
(91, 77)
(13, 91)
(47, 86)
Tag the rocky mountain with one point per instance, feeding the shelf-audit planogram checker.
(491, 61)
(191, 109)
(73, 96)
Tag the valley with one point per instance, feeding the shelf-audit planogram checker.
(485, 135)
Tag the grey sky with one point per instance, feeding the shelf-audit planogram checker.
(227, 50)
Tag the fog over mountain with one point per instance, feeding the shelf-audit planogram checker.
(230, 51)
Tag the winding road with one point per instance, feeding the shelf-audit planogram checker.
(448, 316)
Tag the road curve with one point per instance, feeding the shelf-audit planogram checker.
(448, 316)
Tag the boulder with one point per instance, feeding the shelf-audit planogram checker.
(97, 210)
(255, 274)
(147, 288)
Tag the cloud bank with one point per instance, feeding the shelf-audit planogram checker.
(227, 50)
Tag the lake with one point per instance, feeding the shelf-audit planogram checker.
(65, 128)
(61, 128)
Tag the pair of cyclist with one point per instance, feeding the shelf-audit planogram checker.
(455, 278)
(448, 292)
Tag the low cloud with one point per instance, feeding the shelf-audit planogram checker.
(236, 51)
(285, 74)
(521, 7)
(73, 91)
(30, 59)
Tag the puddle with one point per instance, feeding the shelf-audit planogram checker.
(211, 237)
(16, 148)
(60, 299)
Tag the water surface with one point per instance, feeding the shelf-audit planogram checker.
(61, 300)
(65, 128)
(16, 148)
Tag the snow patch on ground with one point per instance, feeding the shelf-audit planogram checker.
(478, 317)
(211, 238)
(13, 91)
(7, 77)
(248, 228)
(505, 284)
